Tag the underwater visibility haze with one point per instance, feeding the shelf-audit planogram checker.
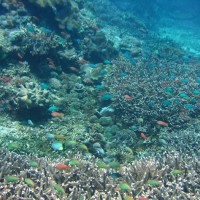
(99, 100)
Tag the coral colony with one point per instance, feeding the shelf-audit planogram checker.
(94, 105)
(35, 178)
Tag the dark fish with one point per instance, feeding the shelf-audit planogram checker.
(116, 175)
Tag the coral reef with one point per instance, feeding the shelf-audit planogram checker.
(171, 176)
(153, 89)
(94, 106)
(98, 48)
(38, 41)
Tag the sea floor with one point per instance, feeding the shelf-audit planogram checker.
(183, 32)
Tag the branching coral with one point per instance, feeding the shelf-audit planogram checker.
(172, 176)
(39, 41)
(157, 90)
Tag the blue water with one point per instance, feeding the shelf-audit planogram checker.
(177, 20)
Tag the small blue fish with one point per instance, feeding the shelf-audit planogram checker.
(102, 73)
(50, 136)
(107, 62)
(106, 97)
(69, 27)
(183, 95)
(45, 30)
(78, 41)
(198, 80)
(57, 146)
(197, 92)
(106, 110)
(53, 109)
(166, 103)
(189, 106)
(184, 80)
(30, 123)
(116, 175)
(93, 66)
(99, 87)
(44, 86)
(122, 74)
(31, 29)
(54, 74)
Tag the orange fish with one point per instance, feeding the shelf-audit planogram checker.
(127, 97)
(64, 34)
(35, 18)
(83, 61)
(162, 123)
(57, 114)
(20, 55)
(143, 198)
(88, 81)
(96, 28)
(21, 63)
(52, 65)
(143, 136)
(10, 22)
(142, 84)
(74, 69)
(62, 167)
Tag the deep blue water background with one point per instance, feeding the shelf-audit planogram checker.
(159, 8)
(176, 19)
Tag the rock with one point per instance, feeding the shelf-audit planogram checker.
(106, 121)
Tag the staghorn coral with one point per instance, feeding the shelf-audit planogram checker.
(31, 95)
(170, 176)
(158, 90)
(169, 185)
